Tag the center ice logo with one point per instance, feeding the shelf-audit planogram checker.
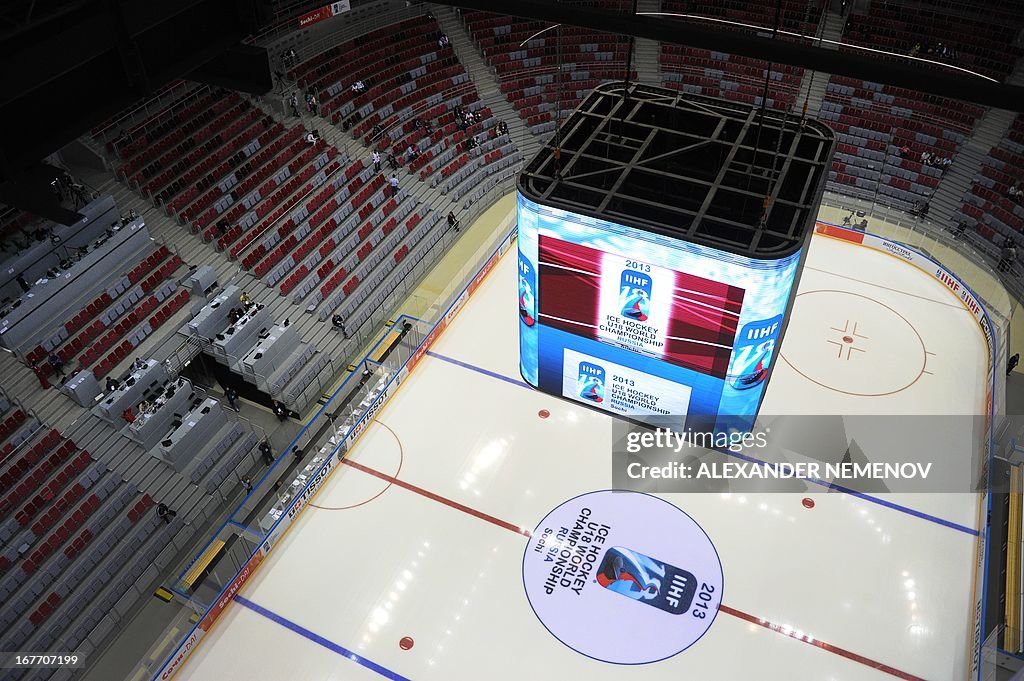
(590, 382)
(635, 295)
(649, 581)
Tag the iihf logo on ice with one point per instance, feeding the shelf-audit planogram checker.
(590, 382)
(635, 295)
(644, 579)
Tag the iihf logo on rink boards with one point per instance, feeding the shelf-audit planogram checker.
(647, 580)
(590, 382)
(635, 295)
(527, 286)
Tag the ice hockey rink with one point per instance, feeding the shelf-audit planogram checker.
(410, 564)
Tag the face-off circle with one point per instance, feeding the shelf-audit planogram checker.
(623, 577)
(853, 344)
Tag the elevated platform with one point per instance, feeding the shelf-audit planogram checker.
(689, 167)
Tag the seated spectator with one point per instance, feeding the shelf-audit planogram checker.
(1013, 192)
(165, 513)
(112, 384)
(410, 154)
(442, 42)
(310, 137)
(139, 363)
(392, 161)
(418, 123)
(244, 299)
(502, 128)
(925, 157)
(339, 323)
(377, 130)
(222, 226)
(128, 415)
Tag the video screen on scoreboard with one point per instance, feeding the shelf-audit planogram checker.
(640, 324)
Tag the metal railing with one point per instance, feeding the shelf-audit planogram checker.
(1002, 293)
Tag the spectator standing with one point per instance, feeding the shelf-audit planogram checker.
(297, 453)
(58, 364)
(247, 485)
(232, 396)
(394, 185)
(1012, 364)
(280, 411)
(266, 452)
(293, 102)
(453, 221)
(40, 371)
(22, 283)
(1009, 255)
(376, 161)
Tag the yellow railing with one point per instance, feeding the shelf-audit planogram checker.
(1012, 637)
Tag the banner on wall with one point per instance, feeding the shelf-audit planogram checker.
(922, 262)
(324, 13)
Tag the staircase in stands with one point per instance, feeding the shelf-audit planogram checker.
(646, 51)
(991, 128)
(484, 78)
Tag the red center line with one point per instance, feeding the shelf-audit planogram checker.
(739, 614)
(435, 497)
(803, 638)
